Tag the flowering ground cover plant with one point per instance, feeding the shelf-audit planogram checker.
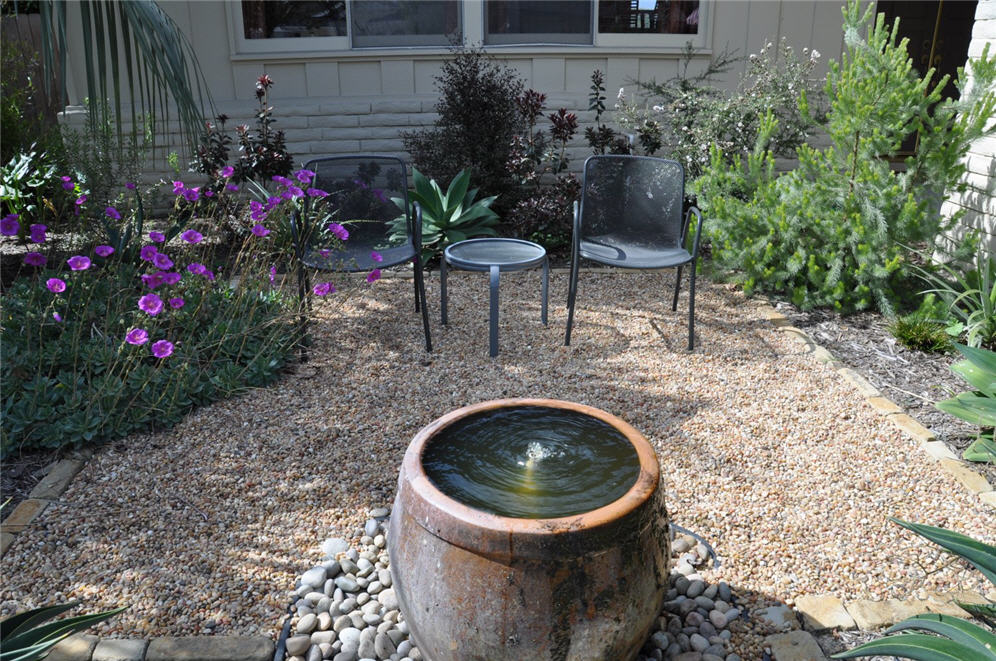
(131, 336)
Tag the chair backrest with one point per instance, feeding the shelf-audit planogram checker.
(636, 198)
(360, 188)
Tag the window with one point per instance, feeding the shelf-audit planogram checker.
(648, 16)
(537, 22)
(281, 19)
(379, 23)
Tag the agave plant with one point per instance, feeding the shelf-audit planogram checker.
(956, 638)
(446, 217)
(979, 406)
(23, 637)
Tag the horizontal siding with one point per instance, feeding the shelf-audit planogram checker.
(978, 201)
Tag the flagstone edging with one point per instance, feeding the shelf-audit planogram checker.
(945, 459)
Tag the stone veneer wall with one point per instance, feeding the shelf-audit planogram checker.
(979, 200)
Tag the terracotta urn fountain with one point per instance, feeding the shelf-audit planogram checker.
(529, 530)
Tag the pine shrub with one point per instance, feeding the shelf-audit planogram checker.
(835, 231)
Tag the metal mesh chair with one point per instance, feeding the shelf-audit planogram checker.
(360, 188)
(630, 216)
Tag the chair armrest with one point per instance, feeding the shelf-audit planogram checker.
(698, 227)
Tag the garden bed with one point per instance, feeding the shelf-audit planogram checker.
(769, 455)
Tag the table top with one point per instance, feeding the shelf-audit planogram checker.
(506, 254)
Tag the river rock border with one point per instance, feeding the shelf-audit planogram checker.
(817, 613)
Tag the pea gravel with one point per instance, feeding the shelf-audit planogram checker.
(766, 453)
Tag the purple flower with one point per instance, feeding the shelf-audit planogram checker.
(104, 251)
(55, 285)
(323, 289)
(148, 252)
(379, 194)
(283, 181)
(57, 317)
(376, 256)
(191, 194)
(272, 201)
(192, 236)
(196, 269)
(158, 237)
(80, 200)
(111, 212)
(9, 225)
(209, 193)
(258, 215)
(38, 233)
(162, 261)
(325, 252)
(227, 171)
(287, 195)
(151, 304)
(259, 230)
(176, 303)
(255, 206)
(340, 232)
(130, 185)
(209, 275)
(170, 277)
(373, 276)
(162, 349)
(67, 183)
(137, 336)
(304, 176)
(178, 187)
(78, 262)
(360, 183)
(295, 191)
(35, 259)
(317, 192)
(232, 188)
(273, 273)
(153, 280)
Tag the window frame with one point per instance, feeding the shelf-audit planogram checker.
(473, 20)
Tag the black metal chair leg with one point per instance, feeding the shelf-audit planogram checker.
(415, 283)
(420, 293)
(572, 292)
(691, 308)
(677, 285)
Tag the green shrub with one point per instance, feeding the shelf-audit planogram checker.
(478, 118)
(832, 232)
(920, 330)
(681, 118)
(969, 294)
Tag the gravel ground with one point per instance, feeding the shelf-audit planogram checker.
(769, 455)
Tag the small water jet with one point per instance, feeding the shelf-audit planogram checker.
(529, 529)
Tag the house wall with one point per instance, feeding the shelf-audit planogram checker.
(331, 102)
(979, 200)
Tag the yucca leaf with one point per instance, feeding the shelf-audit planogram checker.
(979, 378)
(971, 408)
(20, 622)
(916, 646)
(980, 554)
(982, 358)
(58, 629)
(957, 629)
(982, 450)
(984, 611)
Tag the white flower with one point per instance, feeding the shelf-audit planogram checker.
(658, 108)
(815, 55)
(622, 95)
